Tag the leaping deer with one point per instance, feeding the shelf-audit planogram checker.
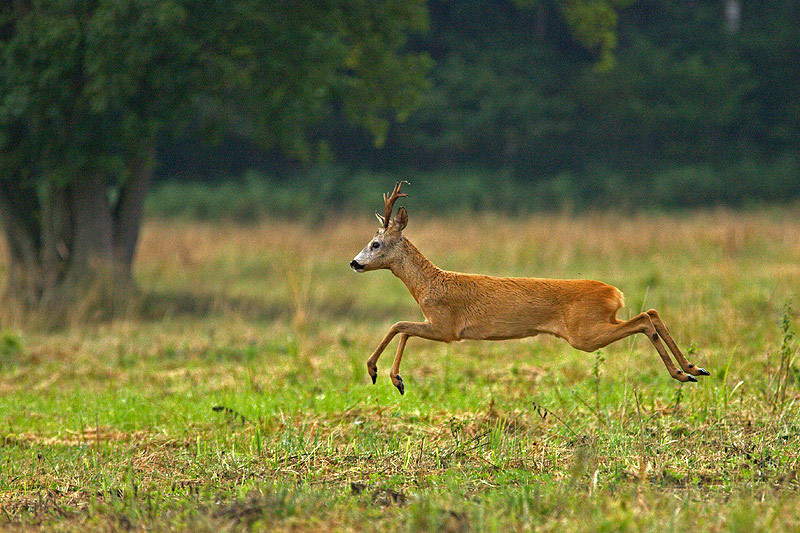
(469, 306)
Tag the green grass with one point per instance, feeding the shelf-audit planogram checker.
(241, 398)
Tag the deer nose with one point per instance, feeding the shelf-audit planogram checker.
(355, 265)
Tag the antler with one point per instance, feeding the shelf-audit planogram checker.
(390, 202)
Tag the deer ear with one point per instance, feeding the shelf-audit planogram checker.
(400, 219)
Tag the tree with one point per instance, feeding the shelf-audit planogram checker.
(500, 91)
(88, 88)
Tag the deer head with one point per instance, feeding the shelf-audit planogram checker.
(383, 249)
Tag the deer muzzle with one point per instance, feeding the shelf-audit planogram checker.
(355, 265)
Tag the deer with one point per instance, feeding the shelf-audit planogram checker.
(459, 306)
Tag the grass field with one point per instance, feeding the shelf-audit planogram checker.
(240, 397)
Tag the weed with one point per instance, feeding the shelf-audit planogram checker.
(10, 349)
(786, 370)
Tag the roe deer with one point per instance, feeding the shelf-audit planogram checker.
(469, 306)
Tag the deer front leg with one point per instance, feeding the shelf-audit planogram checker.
(397, 381)
(372, 362)
(407, 329)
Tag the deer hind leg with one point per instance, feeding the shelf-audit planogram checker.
(663, 332)
(605, 334)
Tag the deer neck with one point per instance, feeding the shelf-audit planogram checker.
(414, 269)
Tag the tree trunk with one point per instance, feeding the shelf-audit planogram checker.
(70, 258)
(57, 238)
(130, 206)
(89, 286)
(24, 285)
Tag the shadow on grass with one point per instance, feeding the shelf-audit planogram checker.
(162, 305)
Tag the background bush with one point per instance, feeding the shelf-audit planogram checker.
(329, 190)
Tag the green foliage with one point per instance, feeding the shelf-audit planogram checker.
(594, 24)
(532, 87)
(576, 97)
(84, 84)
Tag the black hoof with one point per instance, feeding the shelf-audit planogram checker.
(374, 379)
(691, 378)
(400, 386)
(703, 372)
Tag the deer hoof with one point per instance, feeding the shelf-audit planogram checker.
(697, 371)
(374, 378)
(400, 386)
(372, 370)
(682, 376)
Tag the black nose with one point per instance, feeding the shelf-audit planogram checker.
(355, 265)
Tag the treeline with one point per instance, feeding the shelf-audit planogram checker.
(699, 105)
(331, 190)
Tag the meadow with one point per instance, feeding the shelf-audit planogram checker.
(237, 396)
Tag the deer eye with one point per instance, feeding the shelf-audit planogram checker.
(375, 245)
